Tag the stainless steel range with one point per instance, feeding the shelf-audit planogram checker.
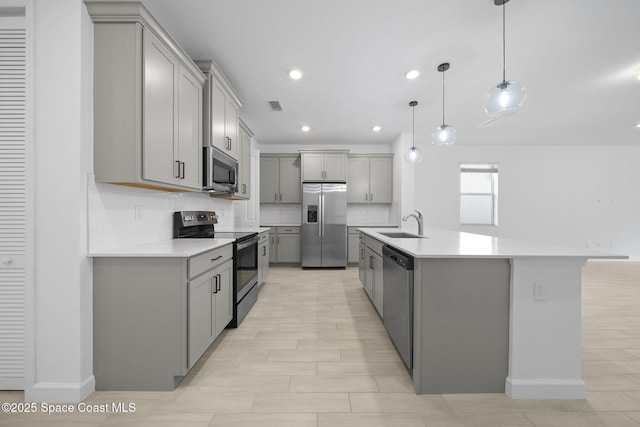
(201, 225)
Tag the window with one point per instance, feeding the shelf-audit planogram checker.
(478, 194)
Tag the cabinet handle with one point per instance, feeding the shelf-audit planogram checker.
(216, 258)
(182, 175)
(278, 239)
(264, 251)
(371, 197)
(280, 196)
(218, 286)
(371, 262)
(361, 253)
(366, 196)
(215, 286)
(244, 188)
(178, 174)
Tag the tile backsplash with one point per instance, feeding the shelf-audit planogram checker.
(123, 216)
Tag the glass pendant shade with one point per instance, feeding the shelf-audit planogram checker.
(505, 98)
(444, 135)
(413, 155)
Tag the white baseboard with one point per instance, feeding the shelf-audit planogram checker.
(60, 392)
(545, 389)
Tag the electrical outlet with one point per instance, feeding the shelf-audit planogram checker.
(539, 293)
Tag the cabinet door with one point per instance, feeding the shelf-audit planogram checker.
(189, 130)
(353, 248)
(244, 173)
(273, 247)
(232, 127)
(377, 282)
(368, 272)
(358, 180)
(289, 180)
(223, 306)
(381, 180)
(218, 117)
(200, 319)
(263, 261)
(269, 177)
(313, 167)
(289, 248)
(361, 261)
(335, 167)
(159, 109)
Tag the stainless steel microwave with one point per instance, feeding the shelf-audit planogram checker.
(220, 172)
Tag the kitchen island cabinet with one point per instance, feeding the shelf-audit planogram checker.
(155, 311)
(478, 325)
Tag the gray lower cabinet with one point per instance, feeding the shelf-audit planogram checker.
(263, 256)
(153, 317)
(210, 308)
(353, 245)
(371, 269)
(285, 245)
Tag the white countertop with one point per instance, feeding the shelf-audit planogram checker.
(172, 248)
(454, 244)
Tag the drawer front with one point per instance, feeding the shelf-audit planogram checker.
(263, 237)
(208, 260)
(288, 230)
(374, 244)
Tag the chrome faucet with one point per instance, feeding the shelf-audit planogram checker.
(418, 218)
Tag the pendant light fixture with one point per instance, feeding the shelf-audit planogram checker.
(506, 97)
(413, 155)
(444, 135)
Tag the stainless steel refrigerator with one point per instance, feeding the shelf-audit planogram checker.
(324, 225)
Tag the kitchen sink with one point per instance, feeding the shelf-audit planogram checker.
(401, 235)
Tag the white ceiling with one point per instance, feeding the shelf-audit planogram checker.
(576, 58)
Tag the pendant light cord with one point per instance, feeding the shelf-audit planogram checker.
(413, 127)
(443, 98)
(504, 49)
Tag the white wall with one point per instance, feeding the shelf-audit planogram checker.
(59, 349)
(579, 196)
(124, 216)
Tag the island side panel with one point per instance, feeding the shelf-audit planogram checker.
(139, 323)
(545, 347)
(461, 325)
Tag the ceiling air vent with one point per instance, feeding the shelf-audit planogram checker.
(274, 105)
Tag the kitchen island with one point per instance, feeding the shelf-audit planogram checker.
(494, 315)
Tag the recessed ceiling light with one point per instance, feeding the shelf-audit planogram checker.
(306, 128)
(412, 74)
(377, 128)
(638, 125)
(295, 74)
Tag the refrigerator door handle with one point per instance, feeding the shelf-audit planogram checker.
(322, 218)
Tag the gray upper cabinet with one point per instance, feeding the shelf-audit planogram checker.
(221, 111)
(318, 166)
(147, 102)
(280, 178)
(370, 178)
(244, 162)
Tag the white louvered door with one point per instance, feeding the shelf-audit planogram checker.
(12, 202)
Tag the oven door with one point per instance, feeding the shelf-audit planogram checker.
(246, 266)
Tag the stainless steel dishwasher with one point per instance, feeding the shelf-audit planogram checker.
(397, 307)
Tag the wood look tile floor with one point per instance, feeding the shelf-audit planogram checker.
(313, 352)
